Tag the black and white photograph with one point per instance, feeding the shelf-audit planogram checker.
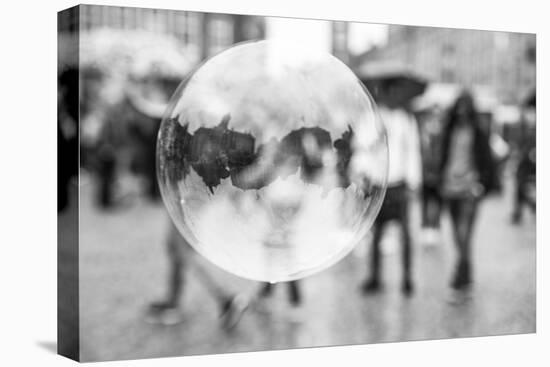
(241, 183)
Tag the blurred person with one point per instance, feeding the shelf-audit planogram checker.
(467, 174)
(430, 134)
(112, 137)
(501, 153)
(92, 110)
(145, 101)
(293, 287)
(103, 136)
(182, 259)
(125, 148)
(499, 147)
(525, 175)
(67, 134)
(404, 176)
(262, 301)
(145, 107)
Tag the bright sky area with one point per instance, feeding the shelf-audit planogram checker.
(316, 33)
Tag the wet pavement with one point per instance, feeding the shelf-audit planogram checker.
(123, 267)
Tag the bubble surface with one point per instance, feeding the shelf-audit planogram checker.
(272, 160)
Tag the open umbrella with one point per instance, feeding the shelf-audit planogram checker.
(380, 74)
(139, 53)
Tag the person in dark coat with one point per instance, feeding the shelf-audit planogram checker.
(431, 203)
(467, 174)
(67, 134)
(526, 170)
(404, 179)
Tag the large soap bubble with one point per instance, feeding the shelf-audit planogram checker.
(272, 161)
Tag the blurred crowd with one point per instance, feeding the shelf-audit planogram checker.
(450, 155)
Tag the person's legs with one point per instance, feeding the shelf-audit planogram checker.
(463, 212)
(454, 212)
(425, 209)
(106, 181)
(373, 282)
(532, 205)
(176, 271)
(153, 190)
(437, 202)
(430, 207)
(406, 258)
(266, 290)
(470, 214)
(219, 292)
(231, 306)
(431, 216)
(294, 293)
(519, 200)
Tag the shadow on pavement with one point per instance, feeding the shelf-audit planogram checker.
(50, 346)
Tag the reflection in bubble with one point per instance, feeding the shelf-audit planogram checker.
(272, 165)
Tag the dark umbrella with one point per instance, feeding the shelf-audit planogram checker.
(379, 76)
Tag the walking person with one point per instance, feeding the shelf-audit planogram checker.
(294, 294)
(526, 170)
(430, 137)
(180, 257)
(467, 173)
(404, 176)
(67, 135)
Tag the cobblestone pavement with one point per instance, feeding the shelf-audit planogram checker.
(123, 267)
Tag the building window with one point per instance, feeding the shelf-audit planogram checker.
(221, 34)
(180, 26)
(95, 15)
(129, 16)
(149, 20)
(114, 14)
(161, 20)
(85, 18)
(194, 21)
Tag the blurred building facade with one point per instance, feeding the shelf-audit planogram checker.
(504, 61)
(209, 32)
(339, 38)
